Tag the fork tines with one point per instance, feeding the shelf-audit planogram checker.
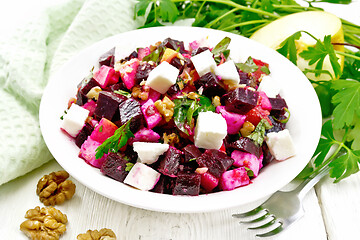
(260, 219)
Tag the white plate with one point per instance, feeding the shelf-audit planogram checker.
(304, 124)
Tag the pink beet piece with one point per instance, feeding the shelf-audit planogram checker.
(88, 151)
(234, 178)
(264, 101)
(142, 52)
(208, 181)
(106, 76)
(234, 121)
(146, 135)
(128, 72)
(90, 105)
(244, 159)
(151, 114)
(103, 130)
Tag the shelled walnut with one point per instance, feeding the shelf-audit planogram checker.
(45, 223)
(103, 234)
(55, 188)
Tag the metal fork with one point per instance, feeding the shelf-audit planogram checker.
(282, 209)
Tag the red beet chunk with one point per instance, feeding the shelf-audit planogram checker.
(83, 134)
(114, 167)
(191, 152)
(130, 108)
(169, 164)
(165, 185)
(246, 145)
(278, 103)
(142, 71)
(174, 44)
(107, 58)
(216, 161)
(187, 184)
(83, 88)
(210, 84)
(240, 100)
(108, 104)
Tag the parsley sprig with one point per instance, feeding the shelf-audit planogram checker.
(116, 141)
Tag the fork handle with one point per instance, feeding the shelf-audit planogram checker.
(310, 182)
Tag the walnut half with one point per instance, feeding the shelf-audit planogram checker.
(47, 223)
(103, 234)
(55, 188)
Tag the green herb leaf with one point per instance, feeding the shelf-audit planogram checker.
(129, 166)
(347, 102)
(325, 143)
(168, 10)
(345, 165)
(124, 93)
(248, 67)
(221, 49)
(288, 47)
(116, 141)
(318, 53)
(258, 135)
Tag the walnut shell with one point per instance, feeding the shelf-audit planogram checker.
(47, 223)
(55, 188)
(103, 234)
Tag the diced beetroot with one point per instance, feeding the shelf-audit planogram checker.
(240, 100)
(146, 135)
(256, 114)
(88, 151)
(128, 71)
(83, 88)
(210, 84)
(234, 121)
(151, 114)
(169, 164)
(142, 52)
(244, 159)
(191, 152)
(106, 76)
(234, 178)
(278, 103)
(108, 58)
(165, 185)
(108, 104)
(154, 95)
(83, 134)
(187, 184)
(103, 130)
(142, 72)
(130, 109)
(90, 105)
(174, 44)
(245, 144)
(208, 181)
(216, 161)
(264, 101)
(114, 167)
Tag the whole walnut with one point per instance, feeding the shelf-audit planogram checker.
(103, 234)
(55, 188)
(47, 223)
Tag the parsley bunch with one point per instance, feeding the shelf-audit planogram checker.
(339, 99)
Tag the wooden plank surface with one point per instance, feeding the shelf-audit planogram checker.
(89, 210)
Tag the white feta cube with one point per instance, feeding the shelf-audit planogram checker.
(280, 144)
(142, 177)
(210, 130)
(270, 86)
(149, 152)
(204, 62)
(162, 77)
(228, 72)
(74, 119)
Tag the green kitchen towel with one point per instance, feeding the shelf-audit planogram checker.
(28, 59)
